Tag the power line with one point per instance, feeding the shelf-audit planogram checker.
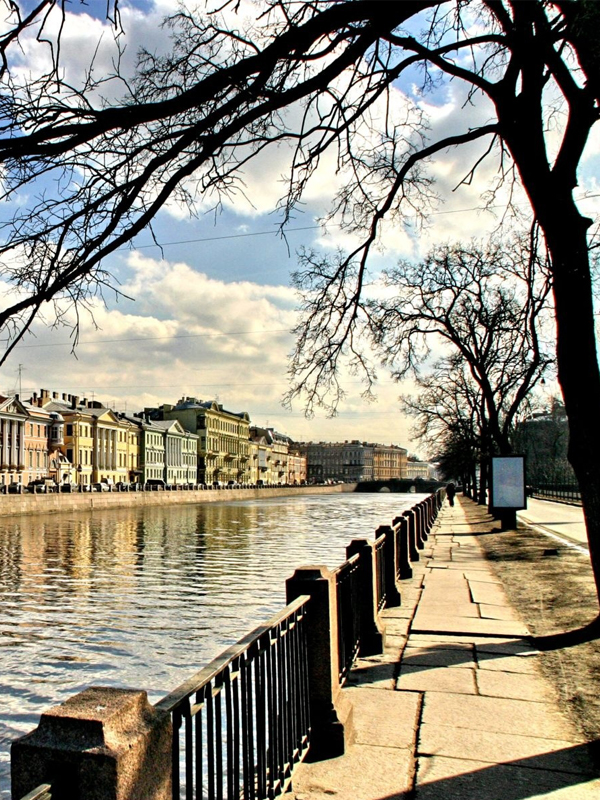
(154, 338)
(220, 238)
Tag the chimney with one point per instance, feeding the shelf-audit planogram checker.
(74, 400)
(55, 395)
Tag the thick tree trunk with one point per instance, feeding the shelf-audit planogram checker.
(577, 359)
(483, 482)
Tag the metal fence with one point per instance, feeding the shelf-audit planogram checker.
(241, 723)
(380, 566)
(562, 492)
(348, 614)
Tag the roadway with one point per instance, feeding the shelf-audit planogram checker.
(557, 520)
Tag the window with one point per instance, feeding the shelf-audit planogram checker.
(69, 430)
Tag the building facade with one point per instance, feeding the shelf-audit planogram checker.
(223, 438)
(167, 451)
(13, 419)
(418, 469)
(297, 468)
(261, 453)
(389, 462)
(275, 447)
(99, 444)
(350, 462)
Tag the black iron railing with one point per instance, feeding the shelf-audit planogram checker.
(563, 492)
(348, 614)
(380, 572)
(242, 722)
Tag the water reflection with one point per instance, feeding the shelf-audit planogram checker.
(143, 598)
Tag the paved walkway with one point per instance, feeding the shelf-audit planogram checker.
(456, 708)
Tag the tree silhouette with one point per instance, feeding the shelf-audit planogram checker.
(98, 170)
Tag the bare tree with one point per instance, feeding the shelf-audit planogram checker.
(450, 420)
(485, 303)
(191, 120)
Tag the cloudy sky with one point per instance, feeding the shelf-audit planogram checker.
(209, 315)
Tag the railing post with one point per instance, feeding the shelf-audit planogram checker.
(403, 567)
(103, 743)
(330, 712)
(392, 595)
(372, 634)
(422, 520)
(413, 553)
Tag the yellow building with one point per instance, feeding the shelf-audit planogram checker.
(274, 463)
(100, 445)
(389, 461)
(223, 438)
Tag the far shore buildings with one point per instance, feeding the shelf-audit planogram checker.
(419, 470)
(353, 461)
(71, 439)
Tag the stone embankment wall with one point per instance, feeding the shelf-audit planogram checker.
(63, 503)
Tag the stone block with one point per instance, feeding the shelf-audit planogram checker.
(101, 744)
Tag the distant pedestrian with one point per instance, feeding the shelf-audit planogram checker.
(450, 492)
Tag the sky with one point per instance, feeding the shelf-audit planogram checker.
(209, 314)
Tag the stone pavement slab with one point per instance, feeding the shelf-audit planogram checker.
(497, 715)
(511, 684)
(497, 612)
(499, 748)
(384, 718)
(434, 679)
(436, 623)
(440, 778)
(503, 663)
(487, 592)
(439, 656)
(362, 773)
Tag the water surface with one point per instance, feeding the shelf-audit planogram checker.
(143, 598)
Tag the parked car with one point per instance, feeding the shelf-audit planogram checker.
(100, 487)
(42, 486)
(15, 488)
(156, 483)
(66, 487)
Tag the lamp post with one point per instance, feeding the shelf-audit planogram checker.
(79, 471)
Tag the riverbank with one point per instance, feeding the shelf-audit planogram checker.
(12, 505)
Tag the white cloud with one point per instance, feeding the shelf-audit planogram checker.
(188, 334)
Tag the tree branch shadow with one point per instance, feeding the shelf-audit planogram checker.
(558, 641)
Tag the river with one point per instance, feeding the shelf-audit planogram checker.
(144, 598)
